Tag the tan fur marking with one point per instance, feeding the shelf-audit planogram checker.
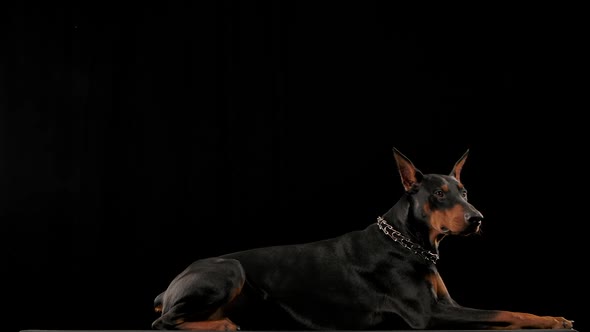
(426, 208)
(452, 219)
(219, 314)
(520, 320)
(445, 188)
(438, 287)
(211, 325)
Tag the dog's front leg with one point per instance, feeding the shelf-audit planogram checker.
(455, 316)
(447, 313)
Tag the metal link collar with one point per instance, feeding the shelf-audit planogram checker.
(398, 237)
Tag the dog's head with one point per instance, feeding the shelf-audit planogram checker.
(440, 201)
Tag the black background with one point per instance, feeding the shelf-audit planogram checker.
(136, 139)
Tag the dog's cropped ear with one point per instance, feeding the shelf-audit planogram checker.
(456, 172)
(407, 171)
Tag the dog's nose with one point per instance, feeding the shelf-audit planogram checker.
(474, 218)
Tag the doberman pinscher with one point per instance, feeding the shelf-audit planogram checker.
(381, 277)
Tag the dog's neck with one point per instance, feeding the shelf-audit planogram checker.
(401, 217)
(405, 242)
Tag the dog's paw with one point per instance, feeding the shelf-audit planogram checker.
(561, 323)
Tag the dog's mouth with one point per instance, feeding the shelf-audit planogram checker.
(473, 228)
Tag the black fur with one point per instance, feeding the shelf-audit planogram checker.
(362, 280)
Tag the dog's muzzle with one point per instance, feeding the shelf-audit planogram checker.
(473, 222)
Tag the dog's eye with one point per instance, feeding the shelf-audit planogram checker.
(464, 194)
(439, 193)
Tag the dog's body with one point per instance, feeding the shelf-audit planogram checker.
(382, 277)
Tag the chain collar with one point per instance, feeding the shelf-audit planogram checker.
(398, 237)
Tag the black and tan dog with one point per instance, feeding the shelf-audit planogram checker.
(382, 277)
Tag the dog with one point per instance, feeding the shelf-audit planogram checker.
(381, 277)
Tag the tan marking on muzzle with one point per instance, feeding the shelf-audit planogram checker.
(453, 219)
